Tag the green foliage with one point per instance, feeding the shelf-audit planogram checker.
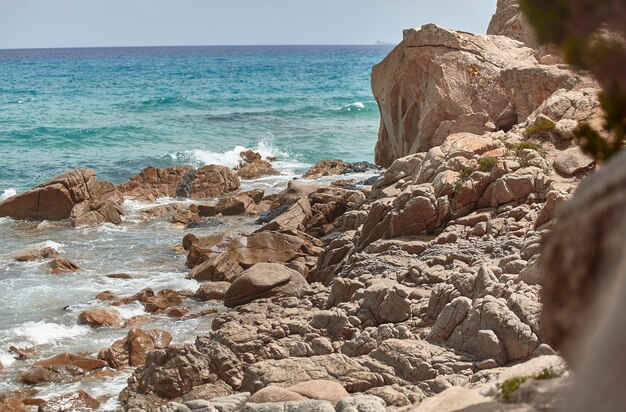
(542, 124)
(521, 146)
(591, 35)
(510, 386)
(485, 164)
(462, 178)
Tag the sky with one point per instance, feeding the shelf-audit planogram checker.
(101, 23)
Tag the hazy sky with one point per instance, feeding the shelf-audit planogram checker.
(84, 23)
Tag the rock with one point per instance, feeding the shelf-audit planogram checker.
(119, 276)
(253, 166)
(294, 192)
(264, 280)
(217, 268)
(247, 250)
(572, 161)
(69, 359)
(23, 353)
(36, 375)
(388, 304)
(227, 206)
(72, 195)
(213, 181)
(60, 265)
(35, 254)
(361, 403)
(71, 401)
(212, 290)
(330, 391)
(12, 402)
(452, 399)
(152, 183)
(106, 295)
(326, 168)
(133, 349)
(439, 82)
(292, 406)
(287, 372)
(100, 317)
(508, 20)
(294, 218)
(275, 394)
(180, 181)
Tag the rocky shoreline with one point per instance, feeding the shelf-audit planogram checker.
(447, 283)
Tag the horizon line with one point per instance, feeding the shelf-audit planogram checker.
(378, 43)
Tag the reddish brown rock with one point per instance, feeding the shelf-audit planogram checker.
(109, 192)
(119, 276)
(69, 402)
(23, 353)
(43, 253)
(253, 166)
(100, 317)
(275, 394)
(132, 350)
(264, 280)
(249, 249)
(212, 290)
(106, 295)
(152, 183)
(74, 195)
(326, 168)
(213, 181)
(60, 265)
(69, 359)
(331, 391)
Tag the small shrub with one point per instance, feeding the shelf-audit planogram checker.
(463, 176)
(509, 386)
(485, 164)
(520, 147)
(541, 124)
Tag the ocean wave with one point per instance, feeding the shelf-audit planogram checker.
(230, 158)
(42, 332)
(352, 107)
(7, 193)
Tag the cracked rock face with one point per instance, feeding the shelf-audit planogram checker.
(438, 82)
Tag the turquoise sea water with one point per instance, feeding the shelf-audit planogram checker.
(118, 110)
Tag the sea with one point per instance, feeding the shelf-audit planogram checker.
(119, 110)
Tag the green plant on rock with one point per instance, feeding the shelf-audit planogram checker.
(510, 386)
(462, 178)
(591, 36)
(485, 164)
(541, 125)
(521, 146)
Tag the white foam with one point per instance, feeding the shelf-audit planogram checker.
(133, 309)
(230, 158)
(8, 193)
(43, 332)
(356, 106)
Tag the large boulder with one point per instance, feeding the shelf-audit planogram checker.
(437, 82)
(264, 280)
(508, 20)
(78, 400)
(76, 195)
(253, 166)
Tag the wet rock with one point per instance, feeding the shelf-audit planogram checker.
(35, 254)
(69, 359)
(264, 280)
(326, 168)
(213, 181)
(60, 265)
(106, 295)
(23, 353)
(152, 183)
(133, 349)
(51, 374)
(100, 317)
(294, 192)
(253, 166)
(119, 276)
(227, 206)
(72, 195)
(71, 401)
